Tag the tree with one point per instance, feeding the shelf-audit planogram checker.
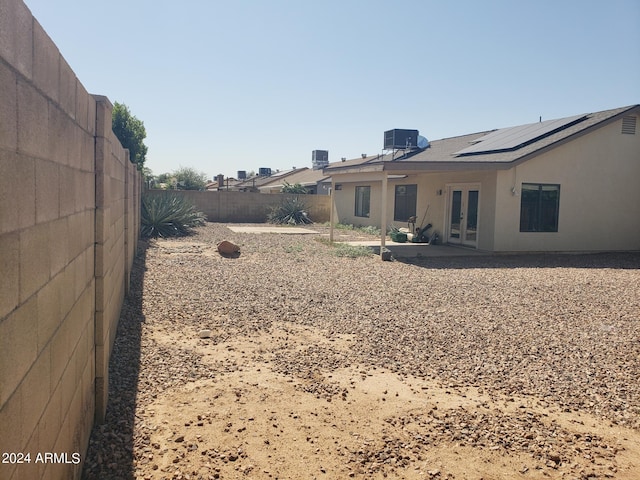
(295, 188)
(149, 178)
(190, 179)
(131, 133)
(164, 178)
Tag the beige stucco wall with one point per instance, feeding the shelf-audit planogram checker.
(485, 180)
(598, 175)
(431, 195)
(59, 293)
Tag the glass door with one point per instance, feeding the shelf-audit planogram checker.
(471, 215)
(463, 215)
(456, 216)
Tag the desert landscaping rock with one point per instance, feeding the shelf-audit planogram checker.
(204, 333)
(291, 362)
(228, 248)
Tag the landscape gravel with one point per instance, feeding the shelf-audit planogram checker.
(526, 334)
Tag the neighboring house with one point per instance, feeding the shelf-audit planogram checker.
(571, 184)
(228, 184)
(315, 181)
(254, 183)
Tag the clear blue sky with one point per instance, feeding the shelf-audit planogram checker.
(226, 85)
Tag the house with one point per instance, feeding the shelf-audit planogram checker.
(315, 182)
(222, 183)
(252, 184)
(565, 185)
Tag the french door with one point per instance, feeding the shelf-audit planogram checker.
(463, 215)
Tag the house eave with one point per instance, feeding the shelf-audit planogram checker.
(353, 169)
(425, 167)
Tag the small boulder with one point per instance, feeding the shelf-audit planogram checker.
(228, 249)
(204, 333)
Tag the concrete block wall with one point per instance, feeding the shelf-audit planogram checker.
(248, 207)
(115, 240)
(66, 207)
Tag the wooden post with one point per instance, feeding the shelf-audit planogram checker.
(332, 195)
(383, 214)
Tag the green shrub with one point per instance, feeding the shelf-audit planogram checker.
(324, 241)
(352, 251)
(369, 229)
(344, 249)
(292, 211)
(169, 216)
(343, 226)
(295, 188)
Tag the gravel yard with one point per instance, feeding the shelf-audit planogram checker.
(325, 366)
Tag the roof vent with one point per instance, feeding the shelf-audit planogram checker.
(629, 124)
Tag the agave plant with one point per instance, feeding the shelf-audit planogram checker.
(292, 211)
(169, 216)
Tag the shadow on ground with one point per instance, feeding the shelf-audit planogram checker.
(622, 260)
(110, 452)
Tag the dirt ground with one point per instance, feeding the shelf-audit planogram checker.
(362, 422)
(264, 388)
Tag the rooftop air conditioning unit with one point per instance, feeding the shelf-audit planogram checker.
(319, 159)
(400, 139)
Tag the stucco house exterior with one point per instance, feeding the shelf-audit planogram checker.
(565, 185)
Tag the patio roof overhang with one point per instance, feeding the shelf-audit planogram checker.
(402, 168)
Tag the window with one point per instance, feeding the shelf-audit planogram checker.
(405, 202)
(363, 201)
(539, 207)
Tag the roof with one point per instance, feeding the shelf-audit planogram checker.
(259, 181)
(499, 148)
(227, 181)
(303, 176)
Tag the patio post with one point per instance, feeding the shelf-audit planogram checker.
(333, 206)
(383, 215)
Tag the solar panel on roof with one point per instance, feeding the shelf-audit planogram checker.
(512, 138)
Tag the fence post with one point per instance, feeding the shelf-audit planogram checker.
(102, 151)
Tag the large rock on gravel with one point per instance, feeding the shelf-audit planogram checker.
(228, 249)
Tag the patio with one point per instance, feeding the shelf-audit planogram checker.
(411, 250)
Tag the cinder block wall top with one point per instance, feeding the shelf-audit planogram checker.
(48, 257)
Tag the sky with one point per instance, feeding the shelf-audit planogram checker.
(223, 86)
